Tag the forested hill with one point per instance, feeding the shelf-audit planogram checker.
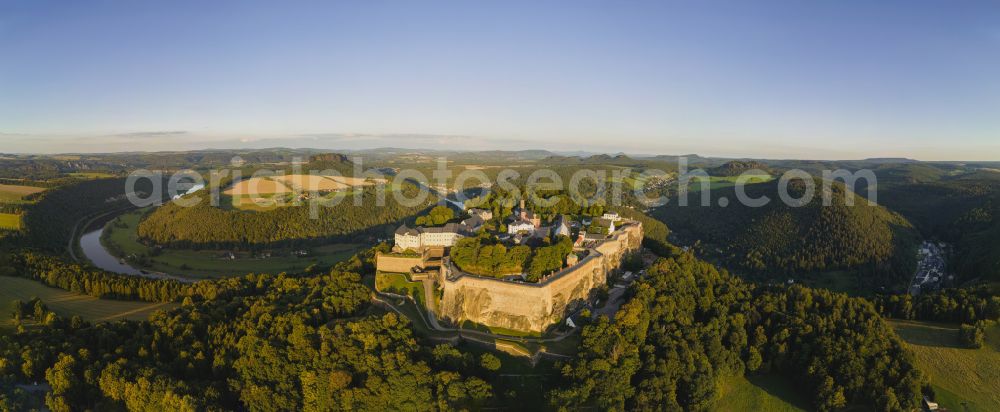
(963, 212)
(204, 225)
(49, 223)
(780, 239)
(738, 167)
(330, 161)
(689, 325)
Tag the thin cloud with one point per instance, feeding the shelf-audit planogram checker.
(158, 133)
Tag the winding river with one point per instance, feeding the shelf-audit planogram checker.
(92, 248)
(95, 252)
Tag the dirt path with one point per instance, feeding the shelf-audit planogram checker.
(142, 309)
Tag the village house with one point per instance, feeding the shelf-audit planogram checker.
(521, 227)
(561, 227)
(484, 214)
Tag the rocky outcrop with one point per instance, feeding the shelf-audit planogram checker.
(533, 306)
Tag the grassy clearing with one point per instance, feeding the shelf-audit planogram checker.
(399, 284)
(65, 303)
(16, 193)
(963, 379)
(122, 239)
(10, 221)
(759, 393)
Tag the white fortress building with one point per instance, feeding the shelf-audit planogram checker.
(417, 238)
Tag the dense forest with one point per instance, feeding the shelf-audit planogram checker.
(313, 343)
(955, 305)
(778, 239)
(688, 325)
(289, 343)
(207, 226)
(961, 211)
(50, 222)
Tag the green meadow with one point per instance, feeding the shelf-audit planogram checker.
(16, 193)
(67, 304)
(759, 393)
(963, 379)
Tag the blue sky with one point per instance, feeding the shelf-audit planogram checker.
(773, 79)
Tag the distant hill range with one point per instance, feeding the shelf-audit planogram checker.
(778, 239)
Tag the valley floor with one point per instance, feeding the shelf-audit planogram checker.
(200, 264)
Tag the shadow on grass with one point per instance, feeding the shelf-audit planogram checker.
(780, 387)
(928, 334)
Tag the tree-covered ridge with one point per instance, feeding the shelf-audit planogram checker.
(49, 222)
(689, 324)
(486, 256)
(283, 343)
(955, 305)
(781, 239)
(962, 212)
(738, 167)
(204, 225)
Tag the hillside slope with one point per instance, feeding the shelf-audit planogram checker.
(204, 225)
(785, 240)
(962, 212)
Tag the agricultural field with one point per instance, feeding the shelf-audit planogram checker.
(65, 303)
(963, 379)
(16, 193)
(287, 183)
(121, 238)
(10, 221)
(257, 186)
(758, 393)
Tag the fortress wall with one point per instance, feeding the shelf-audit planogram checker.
(533, 307)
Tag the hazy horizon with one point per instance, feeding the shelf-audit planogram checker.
(569, 153)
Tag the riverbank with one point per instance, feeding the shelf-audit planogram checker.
(120, 239)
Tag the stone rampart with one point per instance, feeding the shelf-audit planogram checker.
(533, 306)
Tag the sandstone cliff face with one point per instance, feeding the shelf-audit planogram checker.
(533, 307)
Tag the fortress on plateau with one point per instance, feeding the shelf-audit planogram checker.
(456, 297)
